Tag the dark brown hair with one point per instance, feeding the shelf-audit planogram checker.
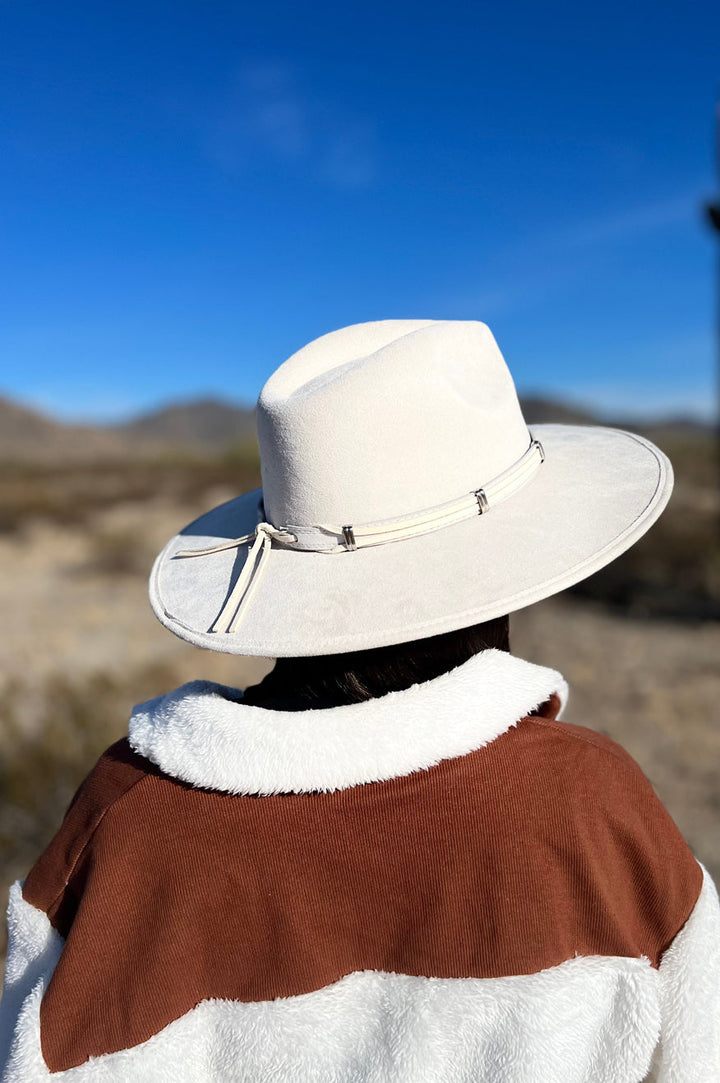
(335, 679)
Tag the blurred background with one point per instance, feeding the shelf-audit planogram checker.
(192, 191)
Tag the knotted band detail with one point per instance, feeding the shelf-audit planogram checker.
(350, 537)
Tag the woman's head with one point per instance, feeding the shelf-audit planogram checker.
(332, 680)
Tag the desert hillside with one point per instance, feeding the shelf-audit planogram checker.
(28, 436)
(214, 426)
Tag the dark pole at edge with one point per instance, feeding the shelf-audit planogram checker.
(713, 216)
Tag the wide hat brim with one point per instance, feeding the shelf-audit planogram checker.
(596, 493)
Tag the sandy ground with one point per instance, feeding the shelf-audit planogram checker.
(652, 686)
(68, 616)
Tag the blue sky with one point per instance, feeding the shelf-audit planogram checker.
(191, 191)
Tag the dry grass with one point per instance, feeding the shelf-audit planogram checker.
(70, 495)
(117, 552)
(673, 572)
(42, 768)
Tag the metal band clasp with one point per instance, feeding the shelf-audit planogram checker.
(482, 500)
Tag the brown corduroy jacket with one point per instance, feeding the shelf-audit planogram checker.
(447, 883)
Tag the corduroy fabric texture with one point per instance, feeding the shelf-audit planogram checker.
(546, 844)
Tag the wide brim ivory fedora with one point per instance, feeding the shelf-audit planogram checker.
(403, 496)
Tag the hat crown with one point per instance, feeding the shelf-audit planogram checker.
(385, 419)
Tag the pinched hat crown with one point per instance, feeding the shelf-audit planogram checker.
(385, 419)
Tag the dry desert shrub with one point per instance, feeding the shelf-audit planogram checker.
(118, 552)
(70, 494)
(672, 572)
(40, 770)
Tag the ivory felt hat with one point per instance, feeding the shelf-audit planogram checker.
(403, 496)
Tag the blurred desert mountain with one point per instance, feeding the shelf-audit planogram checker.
(542, 411)
(208, 426)
(26, 435)
(203, 425)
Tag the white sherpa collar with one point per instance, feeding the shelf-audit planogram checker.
(204, 734)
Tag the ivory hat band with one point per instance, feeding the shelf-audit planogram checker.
(329, 539)
(359, 536)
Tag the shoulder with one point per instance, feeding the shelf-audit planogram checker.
(599, 777)
(116, 773)
(626, 847)
(588, 764)
(581, 741)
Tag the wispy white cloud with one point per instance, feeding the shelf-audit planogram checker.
(351, 158)
(274, 111)
(267, 112)
(630, 222)
(549, 260)
(522, 281)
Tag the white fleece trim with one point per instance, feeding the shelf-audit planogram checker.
(588, 1020)
(34, 948)
(690, 997)
(204, 734)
